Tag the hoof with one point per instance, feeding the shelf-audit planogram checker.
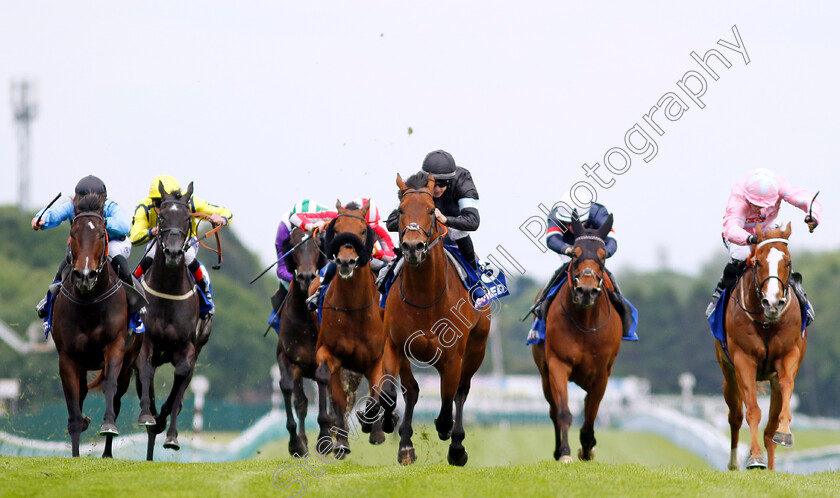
(146, 420)
(322, 447)
(756, 463)
(108, 430)
(586, 457)
(444, 435)
(341, 451)
(565, 459)
(172, 444)
(298, 448)
(457, 457)
(377, 437)
(406, 456)
(85, 422)
(783, 438)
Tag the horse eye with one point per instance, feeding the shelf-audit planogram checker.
(400, 210)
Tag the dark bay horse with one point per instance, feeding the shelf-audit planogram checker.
(430, 318)
(351, 334)
(174, 334)
(298, 334)
(582, 339)
(90, 323)
(766, 341)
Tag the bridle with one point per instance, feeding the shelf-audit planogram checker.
(104, 256)
(187, 234)
(414, 227)
(759, 285)
(574, 280)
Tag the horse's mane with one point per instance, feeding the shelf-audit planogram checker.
(352, 206)
(418, 180)
(89, 202)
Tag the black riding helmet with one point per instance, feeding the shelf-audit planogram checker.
(90, 185)
(440, 164)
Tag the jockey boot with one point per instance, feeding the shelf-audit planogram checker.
(540, 308)
(796, 283)
(620, 304)
(144, 265)
(203, 283)
(467, 249)
(45, 305)
(312, 301)
(731, 272)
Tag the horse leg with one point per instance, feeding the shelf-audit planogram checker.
(732, 396)
(287, 384)
(112, 370)
(787, 367)
(300, 401)
(69, 371)
(773, 422)
(324, 445)
(411, 392)
(386, 394)
(145, 380)
(590, 410)
(339, 402)
(371, 417)
(745, 373)
(123, 381)
(449, 377)
(538, 352)
(184, 368)
(470, 363)
(558, 373)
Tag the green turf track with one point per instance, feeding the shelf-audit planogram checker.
(512, 462)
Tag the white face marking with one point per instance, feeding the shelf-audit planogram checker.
(87, 260)
(173, 207)
(90, 224)
(774, 257)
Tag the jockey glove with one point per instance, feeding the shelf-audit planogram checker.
(752, 239)
(812, 223)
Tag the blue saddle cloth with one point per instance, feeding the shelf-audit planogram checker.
(717, 319)
(483, 288)
(539, 323)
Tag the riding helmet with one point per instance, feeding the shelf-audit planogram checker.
(90, 185)
(440, 164)
(169, 185)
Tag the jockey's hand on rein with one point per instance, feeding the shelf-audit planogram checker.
(752, 239)
(812, 223)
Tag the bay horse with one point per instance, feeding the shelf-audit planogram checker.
(174, 334)
(582, 339)
(350, 334)
(298, 335)
(430, 318)
(765, 341)
(90, 323)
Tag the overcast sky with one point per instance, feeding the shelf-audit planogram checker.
(263, 103)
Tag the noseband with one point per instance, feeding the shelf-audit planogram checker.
(187, 234)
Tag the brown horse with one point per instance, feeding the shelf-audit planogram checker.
(90, 323)
(765, 341)
(174, 334)
(582, 339)
(351, 334)
(430, 318)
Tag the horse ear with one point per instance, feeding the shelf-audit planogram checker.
(604, 231)
(786, 231)
(338, 206)
(400, 183)
(759, 232)
(577, 226)
(189, 191)
(430, 184)
(161, 189)
(365, 209)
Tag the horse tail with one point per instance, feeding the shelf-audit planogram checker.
(762, 387)
(96, 384)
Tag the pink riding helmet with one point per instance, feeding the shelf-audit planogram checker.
(762, 188)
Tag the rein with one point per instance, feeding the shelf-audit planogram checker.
(579, 325)
(754, 263)
(442, 293)
(75, 300)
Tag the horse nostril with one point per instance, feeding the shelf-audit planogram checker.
(421, 246)
(405, 247)
(782, 302)
(765, 303)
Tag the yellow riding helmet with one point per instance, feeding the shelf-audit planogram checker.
(169, 185)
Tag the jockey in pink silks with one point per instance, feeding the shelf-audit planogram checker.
(757, 200)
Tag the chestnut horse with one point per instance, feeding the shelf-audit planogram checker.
(430, 318)
(90, 323)
(174, 334)
(582, 339)
(350, 334)
(766, 341)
